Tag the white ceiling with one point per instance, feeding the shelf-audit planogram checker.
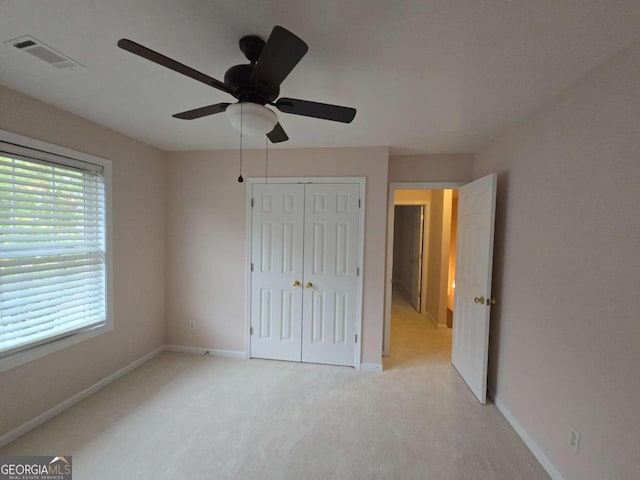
(426, 76)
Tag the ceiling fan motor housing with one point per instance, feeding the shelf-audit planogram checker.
(238, 78)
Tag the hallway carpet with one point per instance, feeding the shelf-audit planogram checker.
(182, 416)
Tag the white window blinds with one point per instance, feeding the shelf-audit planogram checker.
(52, 250)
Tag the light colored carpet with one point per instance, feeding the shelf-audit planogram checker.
(181, 416)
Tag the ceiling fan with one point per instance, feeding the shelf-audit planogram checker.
(254, 85)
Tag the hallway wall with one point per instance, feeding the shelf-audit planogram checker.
(434, 266)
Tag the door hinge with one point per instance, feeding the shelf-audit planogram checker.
(252, 267)
(356, 338)
(250, 330)
(252, 203)
(359, 203)
(357, 271)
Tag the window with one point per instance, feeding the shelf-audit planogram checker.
(53, 248)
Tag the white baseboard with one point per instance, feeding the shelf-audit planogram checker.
(71, 401)
(201, 351)
(435, 323)
(371, 367)
(528, 441)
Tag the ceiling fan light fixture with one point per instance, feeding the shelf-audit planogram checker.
(253, 118)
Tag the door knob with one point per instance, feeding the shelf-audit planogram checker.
(309, 285)
(479, 300)
(492, 301)
(296, 283)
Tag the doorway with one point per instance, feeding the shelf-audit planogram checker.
(472, 283)
(408, 252)
(422, 272)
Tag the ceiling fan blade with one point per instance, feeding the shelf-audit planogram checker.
(316, 110)
(144, 52)
(281, 53)
(202, 111)
(277, 135)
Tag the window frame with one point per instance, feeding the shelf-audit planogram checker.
(65, 156)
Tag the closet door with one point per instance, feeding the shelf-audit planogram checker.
(276, 258)
(331, 223)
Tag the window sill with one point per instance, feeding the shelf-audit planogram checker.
(20, 358)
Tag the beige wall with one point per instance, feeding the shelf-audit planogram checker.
(207, 238)
(452, 249)
(139, 173)
(447, 202)
(431, 168)
(565, 336)
(434, 266)
(411, 197)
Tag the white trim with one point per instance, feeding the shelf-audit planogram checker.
(214, 352)
(439, 326)
(408, 203)
(70, 156)
(425, 185)
(252, 180)
(393, 186)
(78, 397)
(47, 147)
(36, 352)
(359, 306)
(362, 181)
(371, 367)
(526, 438)
(247, 269)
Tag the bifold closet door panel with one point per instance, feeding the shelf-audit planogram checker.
(331, 238)
(277, 259)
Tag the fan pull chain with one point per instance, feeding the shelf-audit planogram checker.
(240, 179)
(266, 160)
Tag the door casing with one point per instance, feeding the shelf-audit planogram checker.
(361, 181)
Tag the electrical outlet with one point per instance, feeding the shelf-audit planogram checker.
(574, 439)
(192, 324)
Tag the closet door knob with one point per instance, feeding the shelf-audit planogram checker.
(309, 285)
(296, 283)
(479, 300)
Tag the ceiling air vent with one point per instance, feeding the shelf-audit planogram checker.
(38, 49)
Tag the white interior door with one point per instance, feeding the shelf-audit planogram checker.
(331, 235)
(474, 257)
(276, 258)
